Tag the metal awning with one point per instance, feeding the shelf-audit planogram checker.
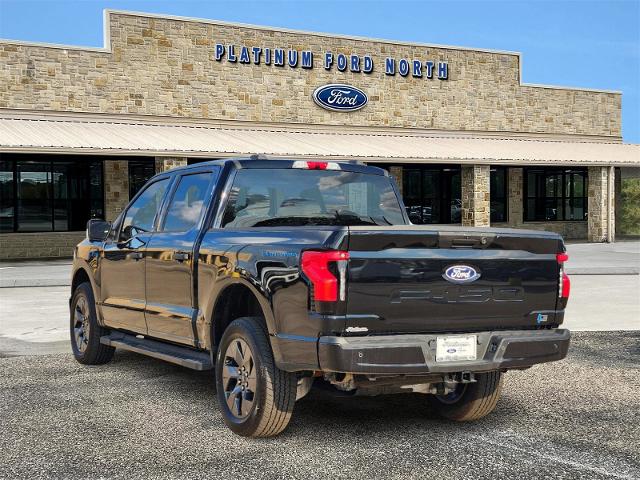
(171, 137)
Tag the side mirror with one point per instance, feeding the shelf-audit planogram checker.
(97, 230)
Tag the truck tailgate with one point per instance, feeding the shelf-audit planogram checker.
(397, 279)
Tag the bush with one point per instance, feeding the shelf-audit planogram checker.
(630, 207)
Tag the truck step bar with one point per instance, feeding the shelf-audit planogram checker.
(183, 356)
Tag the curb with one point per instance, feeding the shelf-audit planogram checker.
(34, 283)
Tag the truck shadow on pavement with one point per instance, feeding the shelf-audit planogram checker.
(320, 410)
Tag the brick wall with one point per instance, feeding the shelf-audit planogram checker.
(38, 245)
(167, 67)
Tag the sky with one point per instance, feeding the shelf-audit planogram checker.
(577, 43)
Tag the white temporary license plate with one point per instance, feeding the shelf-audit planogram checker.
(456, 348)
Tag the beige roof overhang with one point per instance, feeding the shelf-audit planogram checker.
(161, 136)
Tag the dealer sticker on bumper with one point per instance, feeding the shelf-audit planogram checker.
(456, 349)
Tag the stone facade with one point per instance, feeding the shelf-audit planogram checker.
(167, 163)
(598, 221)
(38, 245)
(116, 187)
(167, 67)
(475, 195)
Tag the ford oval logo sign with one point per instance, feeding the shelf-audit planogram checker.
(340, 98)
(460, 274)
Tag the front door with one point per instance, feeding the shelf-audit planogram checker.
(122, 268)
(171, 306)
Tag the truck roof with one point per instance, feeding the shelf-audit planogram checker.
(261, 161)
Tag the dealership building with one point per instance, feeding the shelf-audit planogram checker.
(468, 142)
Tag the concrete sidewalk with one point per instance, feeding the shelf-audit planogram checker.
(621, 258)
(35, 273)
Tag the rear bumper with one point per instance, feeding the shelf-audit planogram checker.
(415, 354)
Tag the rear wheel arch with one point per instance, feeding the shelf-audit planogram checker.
(234, 301)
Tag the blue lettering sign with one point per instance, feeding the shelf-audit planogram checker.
(429, 66)
(368, 64)
(417, 68)
(443, 70)
(307, 59)
(231, 55)
(267, 56)
(328, 60)
(244, 55)
(293, 58)
(219, 51)
(403, 67)
(390, 66)
(355, 63)
(256, 55)
(278, 57)
(342, 62)
(340, 98)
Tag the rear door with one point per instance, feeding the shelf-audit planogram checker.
(414, 279)
(170, 306)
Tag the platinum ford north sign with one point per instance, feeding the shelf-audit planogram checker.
(340, 98)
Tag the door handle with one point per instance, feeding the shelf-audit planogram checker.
(136, 255)
(181, 256)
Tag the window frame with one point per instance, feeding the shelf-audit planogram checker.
(208, 200)
(123, 216)
(227, 178)
(563, 197)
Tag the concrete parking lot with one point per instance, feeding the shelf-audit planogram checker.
(141, 418)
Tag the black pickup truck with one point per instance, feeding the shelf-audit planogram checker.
(282, 274)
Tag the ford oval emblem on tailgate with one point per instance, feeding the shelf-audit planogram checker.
(340, 98)
(460, 274)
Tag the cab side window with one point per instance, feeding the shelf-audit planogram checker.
(188, 202)
(141, 214)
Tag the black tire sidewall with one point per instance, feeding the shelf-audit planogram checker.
(237, 329)
(88, 356)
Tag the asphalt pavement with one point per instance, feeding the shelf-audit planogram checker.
(141, 418)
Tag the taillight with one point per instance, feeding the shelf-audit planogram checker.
(327, 287)
(564, 284)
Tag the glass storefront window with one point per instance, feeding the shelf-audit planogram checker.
(555, 194)
(431, 193)
(35, 211)
(44, 193)
(140, 171)
(498, 194)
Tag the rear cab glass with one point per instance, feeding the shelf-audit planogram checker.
(296, 197)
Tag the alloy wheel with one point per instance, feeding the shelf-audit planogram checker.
(239, 378)
(81, 324)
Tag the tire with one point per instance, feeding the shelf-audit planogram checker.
(84, 329)
(472, 401)
(265, 405)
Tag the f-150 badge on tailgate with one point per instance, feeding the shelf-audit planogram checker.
(460, 274)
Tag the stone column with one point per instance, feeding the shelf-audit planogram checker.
(116, 187)
(515, 189)
(396, 173)
(167, 163)
(475, 195)
(600, 203)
